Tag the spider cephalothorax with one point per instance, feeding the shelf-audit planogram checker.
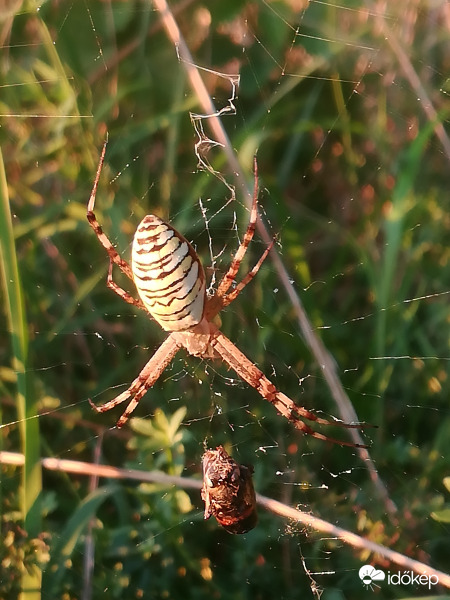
(170, 281)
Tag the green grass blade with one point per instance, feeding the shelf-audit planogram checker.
(31, 487)
(402, 202)
(71, 534)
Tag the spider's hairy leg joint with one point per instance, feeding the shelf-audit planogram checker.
(94, 406)
(92, 219)
(266, 388)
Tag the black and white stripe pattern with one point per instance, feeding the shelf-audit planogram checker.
(168, 274)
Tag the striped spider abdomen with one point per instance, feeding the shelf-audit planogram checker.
(171, 284)
(168, 275)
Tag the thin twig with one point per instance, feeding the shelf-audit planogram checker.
(89, 543)
(351, 538)
(287, 512)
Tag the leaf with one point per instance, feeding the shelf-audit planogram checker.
(443, 516)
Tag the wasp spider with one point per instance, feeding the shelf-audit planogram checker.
(170, 281)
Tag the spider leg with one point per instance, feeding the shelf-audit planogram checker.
(229, 276)
(103, 239)
(120, 291)
(229, 298)
(144, 381)
(250, 373)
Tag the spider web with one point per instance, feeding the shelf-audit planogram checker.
(345, 107)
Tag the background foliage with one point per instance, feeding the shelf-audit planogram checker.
(355, 184)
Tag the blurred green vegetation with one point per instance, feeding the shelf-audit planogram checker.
(355, 183)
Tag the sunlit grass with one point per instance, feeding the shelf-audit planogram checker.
(25, 400)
